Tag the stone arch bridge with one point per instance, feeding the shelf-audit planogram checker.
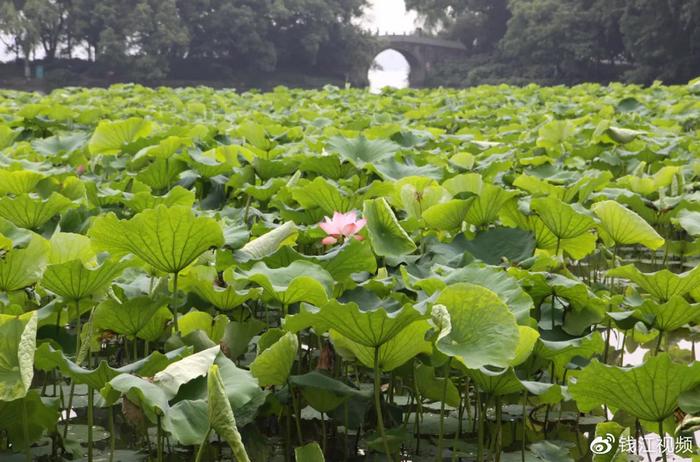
(421, 52)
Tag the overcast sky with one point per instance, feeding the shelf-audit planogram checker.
(390, 17)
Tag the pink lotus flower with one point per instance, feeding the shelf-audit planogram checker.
(341, 226)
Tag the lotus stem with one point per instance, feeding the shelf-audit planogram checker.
(68, 408)
(658, 343)
(25, 431)
(480, 411)
(90, 423)
(662, 444)
(297, 415)
(378, 402)
(112, 435)
(200, 451)
(78, 328)
(523, 443)
(174, 304)
(446, 374)
(159, 439)
(499, 431)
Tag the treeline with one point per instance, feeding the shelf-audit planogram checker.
(149, 36)
(568, 41)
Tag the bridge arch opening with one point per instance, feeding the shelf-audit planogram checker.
(389, 68)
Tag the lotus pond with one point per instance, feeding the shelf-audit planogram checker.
(492, 274)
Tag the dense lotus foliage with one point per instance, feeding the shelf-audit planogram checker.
(496, 274)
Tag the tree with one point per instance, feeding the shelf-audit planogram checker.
(234, 30)
(302, 28)
(23, 32)
(49, 19)
(662, 39)
(478, 24)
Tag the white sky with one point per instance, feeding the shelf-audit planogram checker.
(390, 17)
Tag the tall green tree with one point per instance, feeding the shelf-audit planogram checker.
(22, 30)
(479, 24)
(662, 39)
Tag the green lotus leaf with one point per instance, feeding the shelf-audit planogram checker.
(60, 144)
(448, 215)
(546, 393)
(301, 281)
(48, 359)
(326, 195)
(146, 200)
(490, 277)
(111, 137)
(689, 221)
(526, 344)
(495, 244)
(649, 391)
(162, 174)
(325, 393)
(69, 246)
(481, 330)
(561, 352)
(20, 268)
(662, 285)
(148, 396)
(387, 236)
(221, 418)
(406, 344)
(309, 453)
(202, 281)
(180, 372)
(671, 315)
(214, 327)
(169, 239)
(416, 194)
(554, 133)
(28, 212)
(74, 281)
(8, 135)
(342, 261)
(431, 387)
(187, 421)
(166, 147)
(369, 328)
(361, 152)
(238, 335)
(19, 181)
(217, 161)
(140, 317)
(268, 243)
(272, 366)
(562, 219)
(496, 280)
(650, 184)
(576, 248)
(496, 383)
(485, 207)
(33, 414)
(17, 347)
(689, 401)
(622, 226)
(542, 285)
